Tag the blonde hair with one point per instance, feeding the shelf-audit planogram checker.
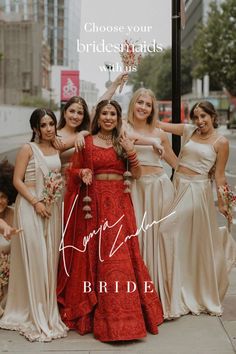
(151, 120)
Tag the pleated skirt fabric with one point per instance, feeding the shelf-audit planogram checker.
(31, 305)
(152, 196)
(5, 247)
(198, 254)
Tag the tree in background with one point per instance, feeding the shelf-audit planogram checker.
(214, 49)
(154, 72)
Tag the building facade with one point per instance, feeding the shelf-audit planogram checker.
(196, 13)
(24, 63)
(36, 35)
(61, 25)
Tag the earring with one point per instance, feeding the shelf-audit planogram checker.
(99, 125)
(37, 139)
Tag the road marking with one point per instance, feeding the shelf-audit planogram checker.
(230, 174)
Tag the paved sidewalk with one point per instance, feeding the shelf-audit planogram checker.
(202, 334)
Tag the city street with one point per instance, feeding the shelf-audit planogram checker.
(190, 334)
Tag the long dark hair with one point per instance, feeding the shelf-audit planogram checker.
(6, 181)
(208, 108)
(116, 131)
(36, 117)
(86, 119)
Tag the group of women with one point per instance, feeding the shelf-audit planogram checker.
(135, 249)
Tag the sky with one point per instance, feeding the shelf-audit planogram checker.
(109, 22)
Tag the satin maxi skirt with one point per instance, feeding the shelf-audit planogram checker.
(198, 254)
(152, 196)
(32, 304)
(5, 247)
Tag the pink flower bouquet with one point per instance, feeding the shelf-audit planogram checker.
(4, 270)
(53, 185)
(130, 57)
(229, 199)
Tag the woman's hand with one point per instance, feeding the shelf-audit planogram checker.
(126, 143)
(79, 142)
(121, 79)
(223, 209)
(86, 175)
(41, 209)
(58, 143)
(7, 230)
(158, 148)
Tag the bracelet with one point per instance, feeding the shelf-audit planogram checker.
(131, 153)
(133, 160)
(33, 201)
(38, 201)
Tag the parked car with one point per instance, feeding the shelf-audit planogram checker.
(231, 117)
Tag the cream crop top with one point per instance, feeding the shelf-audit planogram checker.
(198, 157)
(53, 162)
(147, 156)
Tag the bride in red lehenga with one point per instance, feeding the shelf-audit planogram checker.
(103, 285)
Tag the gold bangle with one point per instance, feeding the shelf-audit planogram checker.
(33, 201)
(132, 152)
(34, 205)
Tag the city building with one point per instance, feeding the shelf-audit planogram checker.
(24, 62)
(89, 92)
(196, 13)
(52, 28)
(61, 25)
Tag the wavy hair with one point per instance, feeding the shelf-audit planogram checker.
(36, 117)
(151, 120)
(116, 131)
(6, 181)
(85, 124)
(207, 107)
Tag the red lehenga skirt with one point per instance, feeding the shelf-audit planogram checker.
(108, 290)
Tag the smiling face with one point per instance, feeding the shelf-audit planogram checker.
(47, 128)
(143, 107)
(74, 115)
(3, 202)
(203, 120)
(107, 119)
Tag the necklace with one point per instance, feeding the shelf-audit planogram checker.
(106, 138)
(207, 137)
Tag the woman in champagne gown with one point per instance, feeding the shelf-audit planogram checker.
(153, 193)
(31, 305)
(199, 254)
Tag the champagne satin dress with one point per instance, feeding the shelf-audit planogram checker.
(199, 254)
(31, 306)
(152, 196)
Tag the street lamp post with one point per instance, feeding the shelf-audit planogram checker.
(109, 67)
(176, 76)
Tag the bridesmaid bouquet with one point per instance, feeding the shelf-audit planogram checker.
(229, 198)
(4, 270)
(129, 56)
(53, 185)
